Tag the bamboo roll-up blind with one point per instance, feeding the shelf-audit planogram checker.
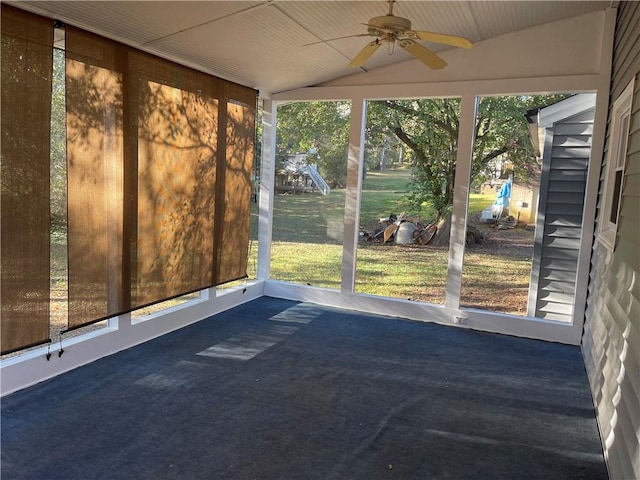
(26, 70)
(154, 154)
(240, 129)
(177, 142)
(159, 161)
(94, 104)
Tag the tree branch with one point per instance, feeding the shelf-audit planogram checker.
(451, 130)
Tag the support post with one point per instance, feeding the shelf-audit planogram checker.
(355, 168)
(267, 185)
(460, 200)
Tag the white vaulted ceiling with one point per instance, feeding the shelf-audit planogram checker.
(261, 43)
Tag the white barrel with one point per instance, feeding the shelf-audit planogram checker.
(404, 235)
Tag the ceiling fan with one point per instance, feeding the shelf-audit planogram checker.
(391, 29)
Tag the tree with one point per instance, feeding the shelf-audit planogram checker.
(320, 129)
(429, 128)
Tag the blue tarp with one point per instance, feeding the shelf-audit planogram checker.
(494, 212)
(504, 195)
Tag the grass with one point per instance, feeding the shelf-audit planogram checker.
(408, 272)
(308, 229)
(307, 249)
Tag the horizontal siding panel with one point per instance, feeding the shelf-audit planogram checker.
(553, 273)
(633, 160)
(576, 186)
(556, 286)
(626, 57)
(554, 317)
(632, 385)
(563, 220)
(577, 154)
(568, 175)
(634, 127)
(624, 274)
(625, 437)
(566, 198)
(557, 249)
(565, 210)
(558, 308)
(571, 141)
(631, 185)
(559, 265)
(625, 429)
(627, 232)
(565, 128)
(630, 395)
(555, 297)
(633, 335)
(629, 250)
(632, 360)
(562, 232)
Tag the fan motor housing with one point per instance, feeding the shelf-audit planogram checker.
(388, 24)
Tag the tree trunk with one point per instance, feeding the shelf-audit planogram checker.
(441, 238)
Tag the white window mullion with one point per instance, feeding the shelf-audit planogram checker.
(267, 176)
(355, 165)
(460, 200)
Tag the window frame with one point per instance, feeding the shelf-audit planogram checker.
(615, 166)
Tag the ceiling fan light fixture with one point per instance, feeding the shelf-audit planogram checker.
(390, 28)
(391, 47)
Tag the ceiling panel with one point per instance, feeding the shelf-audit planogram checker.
(261, 43)
(247, 47)
(496, 18)
(138, 21)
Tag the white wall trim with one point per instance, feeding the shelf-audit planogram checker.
(509, 86)
(32, 367)
(593, 173)
(486, 321)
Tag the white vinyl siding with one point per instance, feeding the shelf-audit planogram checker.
(611, 340)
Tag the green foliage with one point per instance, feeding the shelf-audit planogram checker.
(318, 127)
(429, 128)
(58, 144)
(501, 131)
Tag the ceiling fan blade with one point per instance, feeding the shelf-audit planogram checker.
(445, 39)
(423, 54)
(336, 38)
(364, 54)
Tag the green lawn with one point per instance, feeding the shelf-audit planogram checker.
(307, 249)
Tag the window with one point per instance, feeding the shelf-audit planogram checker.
(126, 179)
(616, 156)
